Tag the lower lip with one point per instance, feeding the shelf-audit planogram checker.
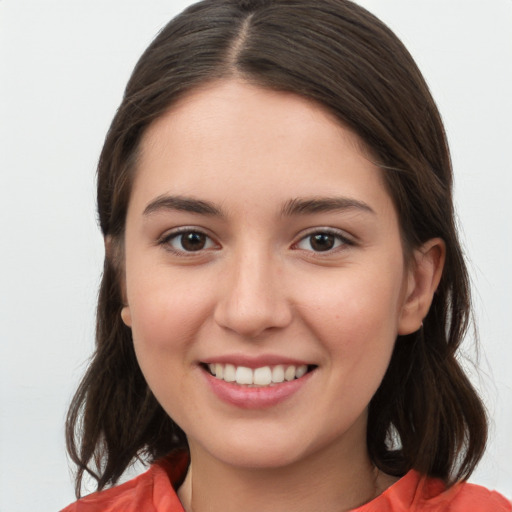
(255, 397)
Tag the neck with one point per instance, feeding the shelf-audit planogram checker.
(333, 480)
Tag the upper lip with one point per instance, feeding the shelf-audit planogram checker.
(255, 361)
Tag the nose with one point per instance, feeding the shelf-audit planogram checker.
(252, 297)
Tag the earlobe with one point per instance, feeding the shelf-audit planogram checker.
(126, 316)
(113, 255)
(424, 276)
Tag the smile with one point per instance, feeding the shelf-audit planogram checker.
(257, 377)
(255, 385)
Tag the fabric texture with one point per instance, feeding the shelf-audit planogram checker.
(154, 491)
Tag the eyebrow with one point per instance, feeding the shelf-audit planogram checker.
(296, 206)
(184, 204)
(305, 206)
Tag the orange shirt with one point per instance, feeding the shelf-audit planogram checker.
(153, 491)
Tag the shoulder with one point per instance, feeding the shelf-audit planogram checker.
(461, 497)
(419, 493)
(119, 497)
(466, 496)
(152, 491)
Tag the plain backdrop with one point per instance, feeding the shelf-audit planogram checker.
(63, 67)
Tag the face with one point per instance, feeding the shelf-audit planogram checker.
(265, 280)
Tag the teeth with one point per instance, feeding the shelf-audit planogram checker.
(243, 375)
(289, 373)
(263, 376)
(301, 371)
(229, 373)
(278, 373)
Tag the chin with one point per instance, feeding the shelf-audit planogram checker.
(259, 452)
(260, 458)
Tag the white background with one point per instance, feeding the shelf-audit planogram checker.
(63, 67)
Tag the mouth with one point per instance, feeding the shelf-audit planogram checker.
(263, 376)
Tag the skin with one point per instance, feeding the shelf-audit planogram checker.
(258, 288)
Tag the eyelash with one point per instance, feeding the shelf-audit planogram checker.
(167, 239)
(340, 240)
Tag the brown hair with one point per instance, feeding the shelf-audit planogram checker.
(425, 415)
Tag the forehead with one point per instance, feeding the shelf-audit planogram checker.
(262, 143)
(245, 108)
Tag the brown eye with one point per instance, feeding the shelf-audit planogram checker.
(193, 241)
(322, 241)
(188, 241)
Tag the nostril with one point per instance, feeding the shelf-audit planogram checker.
(252, 319)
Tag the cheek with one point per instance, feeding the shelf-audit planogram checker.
(357, 317)
(167, 311)
(166, 318)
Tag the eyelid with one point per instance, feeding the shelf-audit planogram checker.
(341, 235)
(346, 240)
(165, 239)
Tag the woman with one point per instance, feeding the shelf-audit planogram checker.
(284, 292)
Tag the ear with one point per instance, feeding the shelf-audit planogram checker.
(112, 254)
(424, 274)
(126, 316)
